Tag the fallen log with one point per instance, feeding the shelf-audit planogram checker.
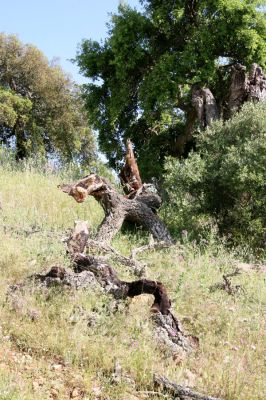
(178, 391)
(169, 329)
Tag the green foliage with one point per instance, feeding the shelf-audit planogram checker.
(224, 182)
(12, 106)
(141, 75)
(40, 107)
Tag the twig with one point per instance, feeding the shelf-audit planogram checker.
(152, 393)
(153, 246)
(138, 268)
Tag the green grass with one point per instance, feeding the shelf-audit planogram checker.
(35, 216)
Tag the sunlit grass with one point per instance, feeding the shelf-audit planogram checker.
(81, 331)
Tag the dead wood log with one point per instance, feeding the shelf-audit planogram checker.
(118, 208)
(152, 246)
(169, 330)
(78, 241)
(136, 267)
(178, 391)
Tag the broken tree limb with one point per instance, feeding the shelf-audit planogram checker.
(129, 175)
(147, 247)
(169, 330)
(118, 208)
(137, 267)
(78, 241)
(178, 391)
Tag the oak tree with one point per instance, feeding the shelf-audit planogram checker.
(150, 77)
(41, 109)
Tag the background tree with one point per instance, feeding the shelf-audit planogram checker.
(40, 107)
(150, 76)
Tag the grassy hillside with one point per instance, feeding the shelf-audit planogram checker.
(61, 344)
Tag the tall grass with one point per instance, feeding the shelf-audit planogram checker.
(76, 337)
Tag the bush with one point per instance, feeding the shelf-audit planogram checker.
(223, 183)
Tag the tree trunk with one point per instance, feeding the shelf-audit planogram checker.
(139, 209)
(21, 140)
(245, 87)
(204, 110)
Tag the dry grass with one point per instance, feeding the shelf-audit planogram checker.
(58, 355)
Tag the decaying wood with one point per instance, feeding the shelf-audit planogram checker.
(227, 285)
(147, 247)
(170, 331)
(78, 241)
(169, 328)
(129, 175)
(178, 391)
(118, 208)
(137, 267)
(78, 238)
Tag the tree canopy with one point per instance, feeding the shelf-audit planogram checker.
(141, 77)
(41, 109)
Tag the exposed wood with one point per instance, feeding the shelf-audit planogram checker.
(129, 175)
(137, 267)
(178, 391)
(170, 330)
(119, 208)
(78, 238)
(147, 247)
(79, 241)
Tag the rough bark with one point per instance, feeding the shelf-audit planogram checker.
(245, 87)
(181, 141)
(169, 330)
(205, 105)
(204, 108)
(178, 391)
(118, 208)
(79, 241)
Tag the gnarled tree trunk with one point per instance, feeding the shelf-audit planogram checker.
(139, 208)
(139, 205)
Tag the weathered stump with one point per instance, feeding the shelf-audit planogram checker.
(140, 208)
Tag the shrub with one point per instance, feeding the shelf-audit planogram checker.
(224, 181)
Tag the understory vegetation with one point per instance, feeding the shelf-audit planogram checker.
(221, 187)
(64, 344)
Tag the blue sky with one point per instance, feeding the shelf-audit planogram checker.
(57, 26)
